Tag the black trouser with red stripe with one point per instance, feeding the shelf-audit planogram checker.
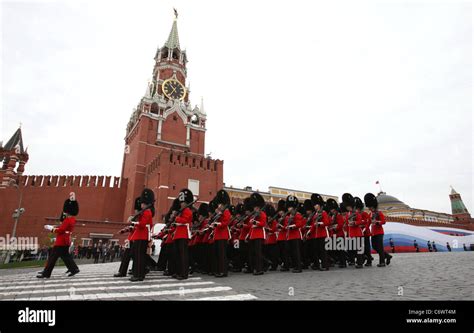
(367, 252)
(256, 256)
(139, 254)
(127, 255)
(220, 247)
(284, 251)
(377, 244)
(182, 257)
(63, 253)
(271, 254)
(320, 253)
(295, 251)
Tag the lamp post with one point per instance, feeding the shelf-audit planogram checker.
(16, 216)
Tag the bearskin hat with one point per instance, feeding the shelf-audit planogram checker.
(248, 204)
(239, 209)
(71, 206)
(257, 200)
(358, 203)
(348, 200)
(269, 210)
(316, 199)
(147, 197)
(222, 197)
(138, 204)
(291, 201)
(371, 201)
(308, 205)
(281, 205)
(231, 209)
(331, 204)
(185, 195)
(212, 206)
(342, 208)
(203, 209)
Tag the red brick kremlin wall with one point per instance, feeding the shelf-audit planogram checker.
(101, 201)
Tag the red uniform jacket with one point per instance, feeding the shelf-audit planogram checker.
(257, 231)
(282, 231)
(222, 230)
(205, 236)
(366, 223)
(298, 222)
(184, 231)
(271, 237)
(377, 229)
(245, 230)
(143, 227)
(355, 230)
(170, 239)
(63, 237)
(317, 230)
(340, 225)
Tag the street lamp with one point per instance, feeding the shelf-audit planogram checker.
(16, 215)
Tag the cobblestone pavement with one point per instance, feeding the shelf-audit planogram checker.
(415, 276)
(410, 276)
(96, 282)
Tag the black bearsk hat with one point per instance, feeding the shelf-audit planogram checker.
(281, 205)
(308, 205)
(332, 204)
(248, 204)
(71, 206)
(222, 197)
(291, 201)
(147, 197)
(348, 199)
(317, 199)
(212, 206)
(269, 210)
(257, 200)
(239, 208)
(342, 207)
(300, 208)
(370, 200)
(203, 209)
(138, 204)
(185, 195)
(231, 209)
(358, 203)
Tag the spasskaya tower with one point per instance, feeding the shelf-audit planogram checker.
(165, 137)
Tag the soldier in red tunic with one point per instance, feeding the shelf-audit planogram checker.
(353, 224)
(271, 247)
(365, 231)
(319, 224)
(182, 234)
(283, 249)
(257, 223)
(221, 233)
(63, 239)
(127, 254)
(377, 220)
(294, 222)
(141, 236)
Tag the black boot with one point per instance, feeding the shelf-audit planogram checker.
(73, 273)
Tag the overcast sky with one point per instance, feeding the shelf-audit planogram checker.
(324, 96)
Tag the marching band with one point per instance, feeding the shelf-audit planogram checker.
(252, 237)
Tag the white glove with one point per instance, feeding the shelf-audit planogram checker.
(49, 227)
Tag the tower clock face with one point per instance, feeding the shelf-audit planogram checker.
(173, 89)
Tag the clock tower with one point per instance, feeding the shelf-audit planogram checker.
(165, 136)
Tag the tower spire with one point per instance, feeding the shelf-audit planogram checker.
(458, 209)
(173, 38)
